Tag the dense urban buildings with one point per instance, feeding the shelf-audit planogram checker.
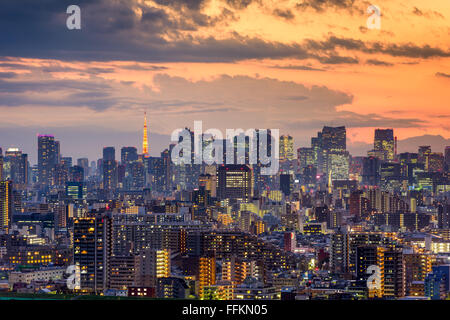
(145, 227)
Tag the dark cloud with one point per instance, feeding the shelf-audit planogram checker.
(284, 13)
(376, 62)
(427, 14)
(40, 85)
(338, 60)
(7, 75)
(322, 5)
(140, 67)
(129, 30)
(441, 74)
(297, 67)
(191, 4)
(408, 50)
(354, 120)
(13, 65)
(396, 50)
(240, 4)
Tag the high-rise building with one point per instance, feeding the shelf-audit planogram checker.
(333, 150)
(206, 273)
(371, 171)
(48, 157)
(128, 154)
(339, 251)
(443, 216)
(76, 174)
(15, 166)
(135, 171)
(285, 184)
(367, 256)
(84, 163)
(60, 175)
(437, 282)
(334, 138)
(235, 182)
(157, 173)
(286, 148)
(309, 175)
(434, 162)
(384, 143)
(167, 167)
(153, 264)
(290, 242)
(424, 152)
(338, 164)
(6, 205)
(417, 266)
(1, 164)
(316, 145)
(109, 168)
(235, 269)
(447, 158)
(394, 273)
(122, 272)
(209, 182)
(67, 162)
(306, 157)
(91, 247)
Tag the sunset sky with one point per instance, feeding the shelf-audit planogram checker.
(293, 65)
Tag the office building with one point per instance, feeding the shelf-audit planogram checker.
(48, 157)
(235, 182)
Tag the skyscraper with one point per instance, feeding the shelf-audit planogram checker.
(145, 137)
(5, 205)
(84, 163)
(447, 158)
(153, 264)
(286, 148)
(128, 154)
(76, 174)
(306, 157)
(15, 166)
(235, 182)
(371, 171)
(91, 237)
(1, 164)
(333, 140)
(109, 168)
(206, 273)
(384, 144)
(48, 157)
(338, 164)
(424, 152)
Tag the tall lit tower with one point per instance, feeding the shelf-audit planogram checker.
(145, 138)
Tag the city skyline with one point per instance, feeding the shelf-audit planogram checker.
(312, 64)
(437, 143)
(173, 151)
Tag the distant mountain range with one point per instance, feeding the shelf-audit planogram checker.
(437, 143)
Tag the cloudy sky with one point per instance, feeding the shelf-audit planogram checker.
(295, 65)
